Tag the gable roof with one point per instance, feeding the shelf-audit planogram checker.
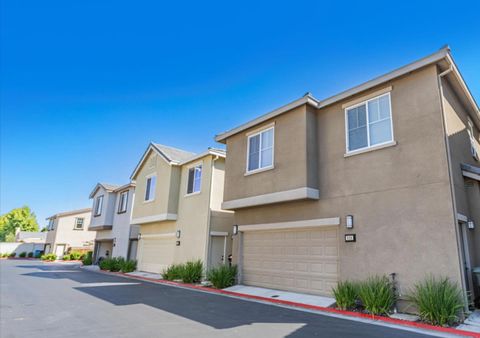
(68, 213)
(106, 186)
(210, 151)
(173, 156)
(442, 55)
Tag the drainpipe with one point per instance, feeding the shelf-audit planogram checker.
(452, 187)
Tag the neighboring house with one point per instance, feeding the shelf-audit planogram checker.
(178, 207)
(111, 216)
(379, 179)
(69, 231)
(30, 236)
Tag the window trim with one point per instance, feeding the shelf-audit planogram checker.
(155, 190)
(369, 146)
(193, 166)
(95, 206)
(119, 210)
(75, 224)
(253, 134)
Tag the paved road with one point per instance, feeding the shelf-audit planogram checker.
(55, 300)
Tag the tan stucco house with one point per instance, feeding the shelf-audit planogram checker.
(382, 178)
(111, 216)
(178, 208)
(69, 231)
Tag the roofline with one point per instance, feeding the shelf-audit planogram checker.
(96, 188)
(308, 99)
(211, 151)
(151, 146)
(67, 213)
(125, 186)
(442, 54)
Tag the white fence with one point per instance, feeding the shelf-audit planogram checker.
(9, 247)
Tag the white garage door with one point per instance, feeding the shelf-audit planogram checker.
(155, 254)
(295, 260)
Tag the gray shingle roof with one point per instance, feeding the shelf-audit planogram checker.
(470, 168)
(108, 186)
(173, 154)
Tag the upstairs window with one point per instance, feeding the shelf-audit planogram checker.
(473, 144)
(79, 223)
(51, 223)
(369, 123)
(194, 179)
(260, 150)
(98, 206)
(123, 202)
(150, 188)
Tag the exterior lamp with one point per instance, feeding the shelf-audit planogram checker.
(349, 221)
(178, 234)
(139, 236)
(235, 229)
(471, 225)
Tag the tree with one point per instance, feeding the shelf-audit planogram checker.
(22, 218)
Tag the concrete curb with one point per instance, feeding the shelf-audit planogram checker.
(386, 320)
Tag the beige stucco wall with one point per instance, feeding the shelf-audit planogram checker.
(166, 191)
(466, 190)
(399, 196)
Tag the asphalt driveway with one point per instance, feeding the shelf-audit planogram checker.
(56, 300)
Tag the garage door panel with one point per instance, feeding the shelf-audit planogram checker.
(297, 260)
(156, 254)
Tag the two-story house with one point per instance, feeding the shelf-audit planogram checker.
(111, 216)
(178, 208)
(382, 178)
(69, 231)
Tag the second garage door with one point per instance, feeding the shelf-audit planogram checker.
(295, 260)
(155, 253)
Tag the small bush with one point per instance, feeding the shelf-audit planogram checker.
(112, 264)
(88, 258)
(66, 257)
(129, 266)
(223, 276)
(192, 272)
(23, 254)
(12, 255)
(30, 254)
(174, 271)
(76, 256)
(377, 295)
(49, 257)
(346, 295)
(439, 301)
(5, 254)
(38, 254)
(105, 264)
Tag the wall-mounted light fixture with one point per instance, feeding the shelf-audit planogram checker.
(114, 241)
(235, 229)
(471, 224)
(178, 233)
(349, 221)
(139, 236)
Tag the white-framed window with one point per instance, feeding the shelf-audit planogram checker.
(98, 206)
(194, 179)
(51, 223)
(79, 223)
(473, 144)
(123, 202)
(260, 150)
(369, 123)
(150, 188)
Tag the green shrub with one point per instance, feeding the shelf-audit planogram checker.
(174, 271)
(66, 257)
(12, 255)
(38, 254)
(129, 266)
(377, 295)
(4, 255)
(222, 276)
(346, 295)
(192, 272)
(49, 257)
(112, 264)
(23, 254)
(30, 254)
(88, 258)
(76, 255)
(105, 264)
(439, 301)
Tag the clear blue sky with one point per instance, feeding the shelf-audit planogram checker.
(86, 85)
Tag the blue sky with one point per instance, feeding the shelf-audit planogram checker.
(86, 85)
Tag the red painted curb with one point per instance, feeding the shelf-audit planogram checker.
(307, 306)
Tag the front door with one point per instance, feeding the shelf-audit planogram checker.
(465, 252)
(217, 250)
(59, 250)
